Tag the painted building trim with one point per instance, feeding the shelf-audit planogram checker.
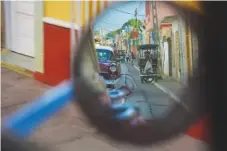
(165, 25)
(39, 59)
(189, 50)
(60, 23)
(8, 24)
(13, 24)
(183, 51)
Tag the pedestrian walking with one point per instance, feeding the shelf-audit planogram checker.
(128, 54)
(133, 57)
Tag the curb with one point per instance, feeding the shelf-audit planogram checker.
(17, 69)
(172, 95)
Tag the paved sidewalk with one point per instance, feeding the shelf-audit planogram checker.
(22, 61)
(69, 130)
(18, 90)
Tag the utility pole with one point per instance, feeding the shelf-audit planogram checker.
(136, 15)
(127, 36)
(156, 33)
(155, 22)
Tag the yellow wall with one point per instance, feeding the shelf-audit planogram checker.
(165, 31)
(147, 37)
(84, 10)
(190, 63)
(61, 10)
(193, 5)
(58, 10)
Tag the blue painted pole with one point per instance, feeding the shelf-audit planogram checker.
(29, 117)
(25, 121)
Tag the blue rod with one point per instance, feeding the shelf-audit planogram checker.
(29, 117)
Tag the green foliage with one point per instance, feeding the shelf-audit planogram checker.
(112, 34)
(96, 32)
(131, 23)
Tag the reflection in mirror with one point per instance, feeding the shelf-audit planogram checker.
(155, 54)
(152, 45)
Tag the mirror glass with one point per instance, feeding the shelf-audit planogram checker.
(155, 51)
(141, 51)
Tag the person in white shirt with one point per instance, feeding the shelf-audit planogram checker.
(128, 55)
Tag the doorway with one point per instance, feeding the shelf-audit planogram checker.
(17, 29)
(23, 27)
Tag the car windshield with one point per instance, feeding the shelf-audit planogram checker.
(104, 55)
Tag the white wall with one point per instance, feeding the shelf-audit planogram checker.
(184, 74)
(166, 58)
(195, 49)
(8, 26)
(174, 29)
(179, 25)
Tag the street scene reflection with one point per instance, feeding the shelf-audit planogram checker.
(147, 47)
(145, 53)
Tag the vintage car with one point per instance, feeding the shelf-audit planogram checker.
(109, 66)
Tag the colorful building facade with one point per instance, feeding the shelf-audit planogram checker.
(184, 54)
(163, 10)
(41, 30)
(43, 33)
(180, 62)
(57, 36)
(46, 34)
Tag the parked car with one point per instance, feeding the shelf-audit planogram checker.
(109, 66)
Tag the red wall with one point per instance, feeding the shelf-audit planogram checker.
(56, 54)
(163, 10)
(200, 130)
